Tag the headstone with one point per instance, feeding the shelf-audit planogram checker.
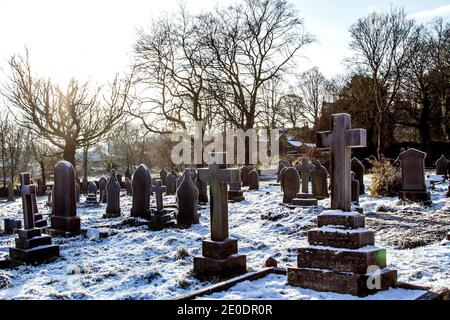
(41, 188)
(202, 191)
(341, 257)
(142, 182)
(413, 176)
(282, 172)
(235, 194)
(253, 180)
(359, 170)
(31, 246)
(11, 197)
(77, 192)
(128, 174)
(112, 196)
(171, 187)
(442, 167)
(163, 176)
(39, 221)
(270, 263)
(355, 189)
(280, 167)
(291, 184)
(128, 186)
(91, 198)
(305, 198)
(187, 197)
(245, 172)
(220, 257)
(64, 220)
(319, 181)
(102, 182)
(161, 218)
(11, 225)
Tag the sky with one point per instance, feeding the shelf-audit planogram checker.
(92, 39)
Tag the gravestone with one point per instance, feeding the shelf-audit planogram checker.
(442, 167)
(305, 199)
(77, 192)
(161, 218)
(319, 181)
(355, 189)
(413, 176)
(64, 220)
(235, 194)
(187, 198)
(359, 169)
(280, 167)
(142, 182)
(11, 197)
(245, 172)
(91, 198)
(102, 182)
(84, 185)
(112, 196)
(202, 191)
(163, 176)
(31, 246)
(128, 174)
(291, 184)
(253, 180)
(39, 221)
(171, 187)
(282, 172)
(11, 225)
(220, 257)
(41, 188)
(128, 186)
(341, 257)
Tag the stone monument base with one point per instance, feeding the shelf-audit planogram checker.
(91, 200)
(220, 259)
(415, 196)
(161, 219)
(236, 196)
(39, 221)
(32, 248)
(64, 226)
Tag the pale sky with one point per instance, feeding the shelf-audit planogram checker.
(92, 39)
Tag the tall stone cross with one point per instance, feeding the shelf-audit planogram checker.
(341, 139)
(158, 189)
(305, 172)
(218, 177)
(28, 191)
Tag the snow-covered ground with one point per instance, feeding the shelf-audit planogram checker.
(136, 263)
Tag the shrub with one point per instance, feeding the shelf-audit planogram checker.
(386, 178)
(182, 253)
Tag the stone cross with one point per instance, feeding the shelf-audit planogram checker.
(341, 139)
(305, 170)
(27, 191)
(158, 189)
(218, 176)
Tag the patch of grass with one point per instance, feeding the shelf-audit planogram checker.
(386, 179)
(182, 253)
(183, 283)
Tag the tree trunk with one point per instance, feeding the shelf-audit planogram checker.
(43, 173)
(424, 122)
(69, 152)
(85, 161)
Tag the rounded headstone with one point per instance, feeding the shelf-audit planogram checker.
(245, 172)
(187, 198)
(141, 184)
(102, 182)
(170, 185)
(63, 197)
(253, 180)
(291, 184)
(113, 195)
(282, 172)
(319, 181)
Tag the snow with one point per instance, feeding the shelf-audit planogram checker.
(136, 263)
(274, 287)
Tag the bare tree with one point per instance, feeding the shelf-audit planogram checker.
(380, 42)
(291, 108)
(68, 119)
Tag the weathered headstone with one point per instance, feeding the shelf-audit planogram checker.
(291, 184)
(305, 198)
(171, 187)
(280, 167)
(128, 187)
(31, 246)
(319, 181)
(11, 225)
(355, 189)
(142, 182)
(235, 194)
(91, 198)
(202, 191)
(442, 167)
(220, 254)
(413, 176)
(163, 176)
(341, 257)
(282, 172)
(253, 180)
(64, 220)
(11, 197)
(245, 172)
(161, 218)
(187, 197)
(359, 170)
(102, 182)
(112, 196)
